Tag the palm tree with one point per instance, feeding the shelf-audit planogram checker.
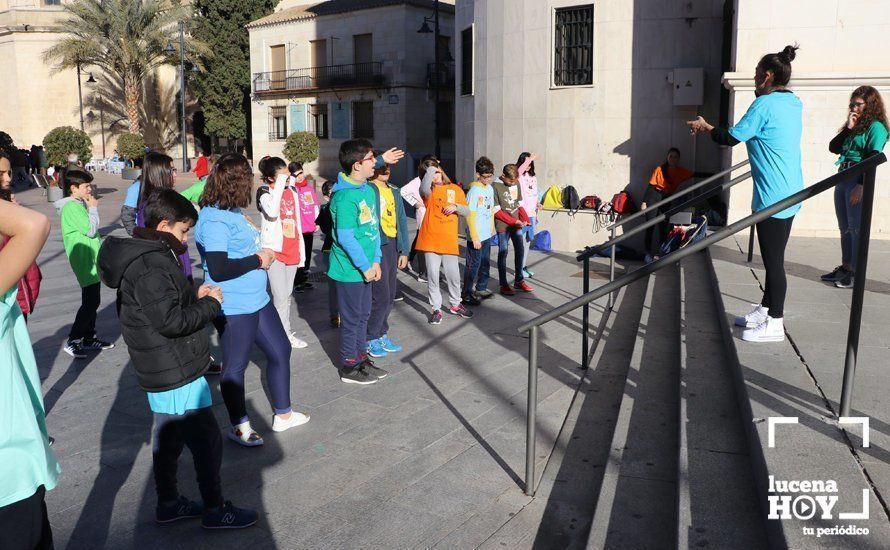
(124, 38)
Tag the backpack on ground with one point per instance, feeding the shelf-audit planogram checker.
(622, 203)
(570, 199)
(541, 242)
(552, 198)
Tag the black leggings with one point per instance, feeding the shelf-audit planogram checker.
(773, 236)
(196, 429)
(24, 525)
(85, 321)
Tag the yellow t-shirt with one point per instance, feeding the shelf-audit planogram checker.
(387, 210)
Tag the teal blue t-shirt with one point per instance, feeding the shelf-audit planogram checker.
(194, 395)
(132, 197)
(228, 231)
(27, 459)
(771, 130)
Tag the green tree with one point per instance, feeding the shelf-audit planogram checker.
(64, 140)
(301, 147)
(223, 87)
(131, 146)
(6, 144)
(124, 38)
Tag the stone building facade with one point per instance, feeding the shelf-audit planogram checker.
(347, 68)
(608, 129)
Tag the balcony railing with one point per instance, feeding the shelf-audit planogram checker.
(312, 78)
(446, 74)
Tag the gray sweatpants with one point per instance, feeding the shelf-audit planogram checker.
(281, 282)
(451, 266)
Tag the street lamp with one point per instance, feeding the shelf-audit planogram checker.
(186, 164)
(425, 29)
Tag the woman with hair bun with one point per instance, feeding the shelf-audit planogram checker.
(771, 130)
(864, 131)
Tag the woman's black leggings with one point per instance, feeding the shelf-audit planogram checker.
(773, 236)
(653, 196)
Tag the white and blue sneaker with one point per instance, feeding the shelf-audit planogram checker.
(388, 345)
(375, 348)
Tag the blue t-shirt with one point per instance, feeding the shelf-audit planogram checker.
(194, 395)
(132, 198)
(771, 130)
(480, 200)
(228, 231)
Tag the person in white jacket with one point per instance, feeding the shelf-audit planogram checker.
(281, 232)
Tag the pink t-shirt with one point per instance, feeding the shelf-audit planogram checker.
(528, 186)
(308, 206)
(411, 193)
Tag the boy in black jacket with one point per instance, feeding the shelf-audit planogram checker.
(162, 322)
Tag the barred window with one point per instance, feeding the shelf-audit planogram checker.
(319, 120)
(277, 123)
(363, 119)
(573, 46)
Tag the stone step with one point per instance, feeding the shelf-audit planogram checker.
(774, 380)
(717, 504)
(637, 501)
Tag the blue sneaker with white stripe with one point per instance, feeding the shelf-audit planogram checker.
(375, 348)
(388, 345)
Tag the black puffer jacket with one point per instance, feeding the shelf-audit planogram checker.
(162, 319)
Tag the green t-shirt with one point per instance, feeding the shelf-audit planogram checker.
(28, 461)
(856, 146)
(354, 211)
(194, 192)
(81, 249)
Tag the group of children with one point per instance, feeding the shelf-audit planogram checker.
(164, 319)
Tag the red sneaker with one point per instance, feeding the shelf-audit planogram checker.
(523, 286)
(507, 291)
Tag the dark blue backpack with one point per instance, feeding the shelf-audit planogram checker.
(541, 242)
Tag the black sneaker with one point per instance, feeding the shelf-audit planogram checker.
(183, 508)
(74, 349)
(228, 517)
(846, 281)
(373, 369)
(399, 298)
(471, 300)
(460, 310)
(95, 344)
(436, 317)
(835, 275)
(357, 375)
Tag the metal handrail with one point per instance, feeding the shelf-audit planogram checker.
(625, 219)
(867, 167)
(661, 217)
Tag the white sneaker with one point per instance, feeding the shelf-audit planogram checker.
(753, 318)
(296, 419)
(296, 342)
(770, 330)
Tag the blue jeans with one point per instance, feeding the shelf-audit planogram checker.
(504, 239)
(478, 267)
(848, 220)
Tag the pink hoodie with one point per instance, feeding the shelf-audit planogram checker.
(411, 193)
(528, 188)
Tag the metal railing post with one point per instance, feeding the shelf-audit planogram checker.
(531, 412)
(612, 268)
(751, 245)
(858, 293)
(585, 317)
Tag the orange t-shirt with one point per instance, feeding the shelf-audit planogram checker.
(676, 176)
(438, 232)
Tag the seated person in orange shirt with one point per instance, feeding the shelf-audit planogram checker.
(665, 181)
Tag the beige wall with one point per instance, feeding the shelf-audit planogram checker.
(404, 54)
(38, 99)
(843, 44)
(598, 138)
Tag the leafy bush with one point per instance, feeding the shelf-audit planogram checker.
(6, 144)
(301, 147)
(64, 140)
(131, 146)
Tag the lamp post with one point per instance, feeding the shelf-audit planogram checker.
(425, 29)
(186, 165)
